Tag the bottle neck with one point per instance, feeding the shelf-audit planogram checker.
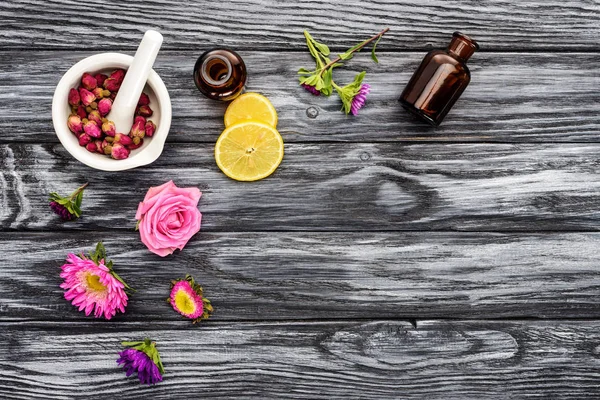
(216, 70)
(462, 47)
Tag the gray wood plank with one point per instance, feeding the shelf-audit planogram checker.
(524, 97)
(328, 187)
(374, 360)
(267, 276)
(69, 24)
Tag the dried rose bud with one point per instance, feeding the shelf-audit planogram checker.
(74, 124)
(98, 92)
(88, 81)
(108, 149)
(100, 78)
(92, 129)
(119, 152)
(123, 139)
(109, 128)
(135, 145)
(139, 127)
(113, 95)
(105, 143)
(150, 128)
(112, 84)
(99, 146)
(84, 139)
(94, 105)
(104, 106)
(74, 98)
(81, 112)
(91, 147)
(95, 116)
(144, 100)
(87, 97)
(118, 74)
(109, 139)
(144, 111)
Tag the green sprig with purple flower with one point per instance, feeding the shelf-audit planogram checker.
(320, 80)
(68, 207)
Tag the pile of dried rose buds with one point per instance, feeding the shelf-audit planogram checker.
(90, 104)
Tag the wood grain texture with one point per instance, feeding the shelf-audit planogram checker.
(265, 276)
(522, 97)
(68, 24)
(328, 187)
(375, 360)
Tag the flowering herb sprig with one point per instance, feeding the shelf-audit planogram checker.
(68, 207)
(143, 358)
(91, 284)
(187, 299)
(320, 80)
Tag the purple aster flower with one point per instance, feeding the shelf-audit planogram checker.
(359, 100)
(311, 89)
(136, 360)
(61, 211)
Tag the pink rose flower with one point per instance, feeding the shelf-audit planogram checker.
(168, 217)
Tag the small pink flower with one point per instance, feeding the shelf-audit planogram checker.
(100, 78)
(187, 299)
(92, 129)
(144, 111)
(87, 97)
(118, 74)
(81, 111)
(104, 106)
(109, 128)
(123, 139)
(119, 151)
(150, 128)
(359, 99)
(74, 98)
(84, 139)
(144, 100)
(88, 81)
(92, 287)
(112, 84)
(74, 124)
(168, 217)
(95, 116)
(139, 127)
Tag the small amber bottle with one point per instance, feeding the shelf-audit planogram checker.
(440, 80)
(220, 74)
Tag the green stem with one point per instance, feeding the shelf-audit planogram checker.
(79, 189)
(354, 50)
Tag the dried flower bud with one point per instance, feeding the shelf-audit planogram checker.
(113, 95)
(88, 81)
(87, 97)
(81, 112)
(108, 149)
(100, 78)
(95, 116)
(138, 129)
(105, 143)
(104, 106)
(99, 146)
(118, 74)
(112, 84)
(109, 128)
(144, 100)
(98, 92)
(135, 145)
(119, 152)
(144, 111)
(94, 105)
(92, 129)
(91, 147)
(74, 124)
(123, 139)
(84, 139)
(150, 128)
(106, 93)
(74, 98)
(109, 139)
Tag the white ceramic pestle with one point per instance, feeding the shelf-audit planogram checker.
(123, 108)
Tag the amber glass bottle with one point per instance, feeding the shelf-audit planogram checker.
(220, 74)
(440, 80)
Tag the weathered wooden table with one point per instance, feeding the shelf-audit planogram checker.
(384, 259)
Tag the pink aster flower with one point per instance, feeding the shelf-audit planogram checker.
(186, 298)
(91, 285)
(359, 99)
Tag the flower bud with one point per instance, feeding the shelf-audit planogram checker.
(74, 98)
(81, 112)
(138, 129)
(118, 74)
(94, 105)
(98, 92)
(109, 139)
(104, 106)
(100, 78)
(112, 84)
(108, 149)
(74, 124)
(91, 147)
(88, 109)
(87, 97)
(150, 128)
(88, 81)
(144, 111)
(84, 139)
(92, 129)
(99, 146)
(119, 152)
(123, 139)
(113, 95)
(135, 145)
(95, 116)
(144, 100)
(109, 128)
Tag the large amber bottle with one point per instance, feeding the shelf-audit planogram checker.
(440, 80)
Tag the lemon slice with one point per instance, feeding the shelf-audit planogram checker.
(251, 107)
(249, 151)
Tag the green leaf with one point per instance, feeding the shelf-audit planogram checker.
(304, 71)
(137, 225)
(321, 47)
(373, 56)
(79, 199)
(327, 83)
